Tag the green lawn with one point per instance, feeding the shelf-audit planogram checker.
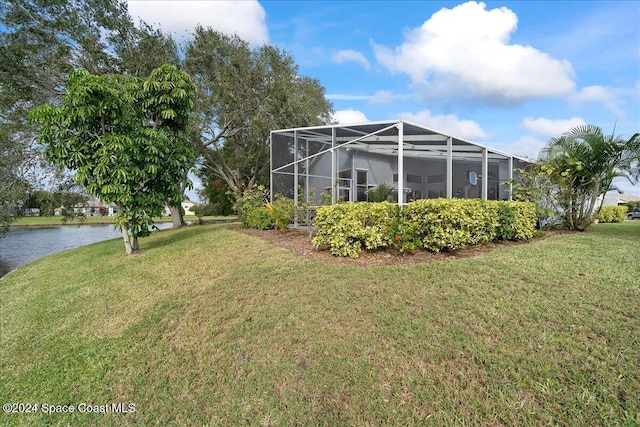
(211, 327)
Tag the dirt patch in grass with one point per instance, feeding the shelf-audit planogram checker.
(298, 242)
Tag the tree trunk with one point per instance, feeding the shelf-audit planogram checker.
(176, 217)
(592, 206)
(127, 241)
(601, 201)
(134, 244)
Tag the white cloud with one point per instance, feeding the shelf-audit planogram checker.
(465, 51)
(526, 146)
(378, 98)
(447, 123)
(387, 97)
(384, 97)
(349, 116)
(607, 96)
(244, 18)
(350, 56)
(347, 97)
(626, 187)
(550, 127)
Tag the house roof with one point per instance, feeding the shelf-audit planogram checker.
(622, 198)
(93, 203)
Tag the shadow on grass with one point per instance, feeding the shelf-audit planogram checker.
(228, 220)
(164, 238)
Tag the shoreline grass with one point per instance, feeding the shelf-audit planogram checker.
(208, 326)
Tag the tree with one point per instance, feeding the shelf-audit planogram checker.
(582, 164)
(48, 201)
(13, 187)
(215, 192)
(41, 42)
(243, 94)
(139, 51)
(125, 138)
(534, 184)
(142, 49)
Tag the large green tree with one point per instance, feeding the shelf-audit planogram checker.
(243, 94)
(139, 51)
(41, 42)
(125, 137)
(582, 164)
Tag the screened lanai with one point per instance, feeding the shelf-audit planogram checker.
(347, 162)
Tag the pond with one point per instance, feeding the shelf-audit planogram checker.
(21, 245)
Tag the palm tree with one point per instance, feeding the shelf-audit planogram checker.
(584, 163)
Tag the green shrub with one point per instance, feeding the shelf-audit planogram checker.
(257, 218)
(306, 211)
(435, 224)
(210, 209)
(506, 218)
(269, 215)
(612, 214)
(380, 193)
(251, 198)
(451, 224)
(516, 221)
(347, 228)
(403, 233)
(281, 212)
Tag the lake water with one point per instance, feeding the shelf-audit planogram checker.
(21, 245)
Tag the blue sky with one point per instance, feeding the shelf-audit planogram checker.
(509, 75)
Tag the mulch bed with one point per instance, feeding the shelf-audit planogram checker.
(298, 242)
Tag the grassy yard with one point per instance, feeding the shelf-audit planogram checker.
(211, 327)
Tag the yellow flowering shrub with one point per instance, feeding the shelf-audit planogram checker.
(435, 224)
(612, 214)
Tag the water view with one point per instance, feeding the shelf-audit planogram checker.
(22, 245)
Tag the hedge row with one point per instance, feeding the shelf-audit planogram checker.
(612, 214)
(434, 224)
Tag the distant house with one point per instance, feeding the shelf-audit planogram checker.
(59, 211)
(95, 207)
(31, 212)
(92, 207)
(187, 205)
(615, 199)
